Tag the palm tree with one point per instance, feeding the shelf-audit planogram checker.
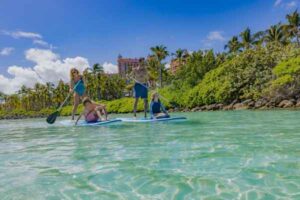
(180, 54)
(153, 68)
(233, 45)
(160, 52)
(98, 71)
(259, 37)
(292, 28)
(276, 34)
(247, 39)
(93, 80)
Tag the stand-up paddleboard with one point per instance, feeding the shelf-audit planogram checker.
(84, 123)
(143, 120)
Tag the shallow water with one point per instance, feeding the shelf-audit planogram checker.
(213, 155)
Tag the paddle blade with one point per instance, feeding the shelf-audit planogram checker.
(51, 118)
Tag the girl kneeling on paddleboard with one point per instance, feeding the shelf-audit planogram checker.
(76, 85)
(92, 111)
(157, 109)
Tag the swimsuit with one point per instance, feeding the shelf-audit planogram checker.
(91, 117)
(157, 107)
(140, 90)
(80, 88)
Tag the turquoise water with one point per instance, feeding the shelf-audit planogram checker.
(213, 155)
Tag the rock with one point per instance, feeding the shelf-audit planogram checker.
(286, 104)
(234, 102)
(263, 108)
(220, 106)
(203, 108)
(240, 106)
(228, 107)
(298, 103)
(176, 110)
(260, 103)
(196, 109)
(212, 107)
(185, 110)
(249, 103)
(277, 99)
(293, 101)
(246, 102)
(270, 104)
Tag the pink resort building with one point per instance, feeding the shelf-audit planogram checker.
(125, 65)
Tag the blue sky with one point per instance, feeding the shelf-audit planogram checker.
(99, 30)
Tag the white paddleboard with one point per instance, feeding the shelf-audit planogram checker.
(84, 123)
(143, 120)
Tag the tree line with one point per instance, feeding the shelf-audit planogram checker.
(246, 69)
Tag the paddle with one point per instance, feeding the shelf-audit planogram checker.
(52, 117)
(174, 104)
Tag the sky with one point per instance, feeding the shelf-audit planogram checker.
(41, 40)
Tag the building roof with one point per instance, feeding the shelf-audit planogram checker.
(129, 60)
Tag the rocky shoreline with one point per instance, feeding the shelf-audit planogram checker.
(249, 104)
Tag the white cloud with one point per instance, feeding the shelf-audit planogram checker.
(48, 67)
(41, 42)
(110, 68)
(291, 4)
(285, 4)
(277, 3)
(215, 36)
(6, 51)
(167, 65)
(212, 38)
(22, 34)
(35, 37)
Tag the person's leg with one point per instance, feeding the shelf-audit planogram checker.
(75, 106)
(103, 109)
(145, 107)
(162, 115)
(135, 106)
(98, 114)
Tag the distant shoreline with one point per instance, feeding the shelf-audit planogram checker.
(262, 105)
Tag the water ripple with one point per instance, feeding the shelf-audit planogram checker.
(214, 155)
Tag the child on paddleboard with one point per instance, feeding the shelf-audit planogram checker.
(157, 109)
(140, 76)
(79, 90)
(92, 111)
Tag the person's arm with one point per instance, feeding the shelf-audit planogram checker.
(78, 118)
(99, 109)
(151, 111)
(98, 104)
(71, 86)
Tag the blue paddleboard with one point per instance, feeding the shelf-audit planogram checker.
(84, 123)
(143, 120)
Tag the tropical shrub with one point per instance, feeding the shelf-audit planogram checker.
(286, 83)
(244, 76)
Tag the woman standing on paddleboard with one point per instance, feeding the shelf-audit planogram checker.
(76, 85)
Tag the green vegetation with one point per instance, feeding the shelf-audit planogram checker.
(255, 66)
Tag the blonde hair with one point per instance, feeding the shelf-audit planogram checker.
(153, 96)
(72, 73)
(86, 100)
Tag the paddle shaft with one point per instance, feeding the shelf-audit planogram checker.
(66, 99)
